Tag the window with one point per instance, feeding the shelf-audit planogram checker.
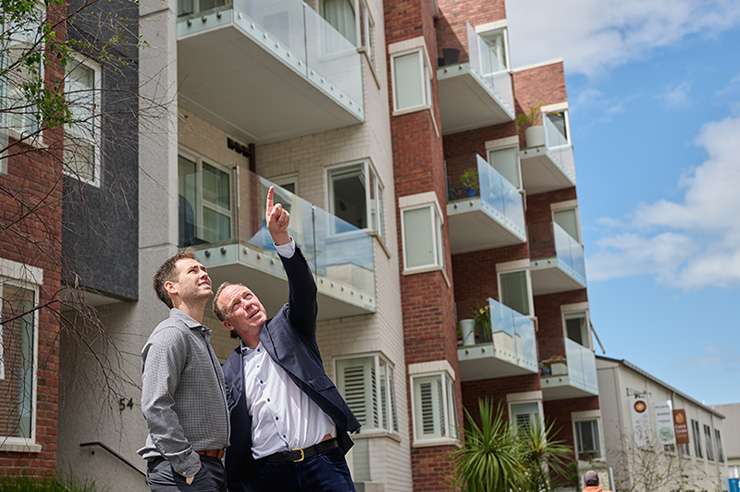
(341, 15)
(411, 85)
(356, 197)
(567, 218)
(515, 291)
(205, 208)
(506, 162)
(367, 386)
(576, 327)
(718, 443)
(525, 415)
(557, 128)
(708, 443)
(82, 84)
(493, 51)
(422, 238)
(289, 184)
(588, 446)
(21, 113)
(18, 361)
(367, 31)
(434, 408)
(695, 434)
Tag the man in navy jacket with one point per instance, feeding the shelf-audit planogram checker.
(289, 423)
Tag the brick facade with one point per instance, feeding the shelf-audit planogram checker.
(33, 237)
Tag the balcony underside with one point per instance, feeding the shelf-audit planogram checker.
(562, 388)
(551, 276)
(475, 227)
(540, 173)
(249, 86)
(483, 361)
(263, 272)
(465, 103)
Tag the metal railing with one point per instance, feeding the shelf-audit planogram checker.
(112, 453)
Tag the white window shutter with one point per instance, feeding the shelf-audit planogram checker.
(356, 381)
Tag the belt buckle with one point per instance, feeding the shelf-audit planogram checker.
(303, 455)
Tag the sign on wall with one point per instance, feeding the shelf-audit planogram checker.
(640, 411)
(664, 423)
(681, 426)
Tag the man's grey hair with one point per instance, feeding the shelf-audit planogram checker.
(216, 309)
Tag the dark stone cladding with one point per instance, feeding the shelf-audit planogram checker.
(100, 236)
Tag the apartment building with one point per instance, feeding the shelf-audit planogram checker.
(489, 230)
(657, 437)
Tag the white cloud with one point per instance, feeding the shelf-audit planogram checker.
(594, 36)
(676, 96)
(690, 243)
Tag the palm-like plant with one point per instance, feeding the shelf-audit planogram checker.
(544, 456)
(491, 458)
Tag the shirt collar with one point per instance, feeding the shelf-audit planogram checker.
(245, 349)
(189, 321)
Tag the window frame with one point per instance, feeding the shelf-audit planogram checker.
(516, 267)
(568, 311)
(198, 159)
(366, 33)
(437, 224)
(425, 86)
(545, 110)
(35, 287)
(718, 444)
(588, 416)
(368, 169)
(391, 404)
(448, 407)
(696, 434)
(708, 440)
(525, 401)
(565, 207)
(97, 69)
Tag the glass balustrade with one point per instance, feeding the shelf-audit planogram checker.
(297, 34)
(346, 257)
(560, 151)
(495, 77)
(569, 253)
(581, 366)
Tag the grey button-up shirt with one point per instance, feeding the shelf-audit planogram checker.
(182, 394)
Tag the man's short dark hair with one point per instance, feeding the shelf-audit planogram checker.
(165, 273)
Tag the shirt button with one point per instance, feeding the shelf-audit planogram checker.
(262, 382)
(268, 400)
(277, 418)
(259, 350)
(284, 436)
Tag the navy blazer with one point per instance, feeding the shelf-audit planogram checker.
(290, 339)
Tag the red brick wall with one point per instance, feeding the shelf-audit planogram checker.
(35, 239)
(453, 16)
(558, 412)
(30, 221)
(550, 331)
(539, 221)
(427, 299)
(496, 390)
(538, 86)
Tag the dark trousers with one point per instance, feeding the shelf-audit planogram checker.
(162, 478)
(326, 472)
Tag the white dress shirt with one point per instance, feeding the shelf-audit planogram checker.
(283, 416)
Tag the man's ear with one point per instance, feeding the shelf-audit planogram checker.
(170, 287)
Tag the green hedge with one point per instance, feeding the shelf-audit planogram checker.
(25, 484)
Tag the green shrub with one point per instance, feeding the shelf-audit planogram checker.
(27, 484)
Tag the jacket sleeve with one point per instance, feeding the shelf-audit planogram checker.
(164, 358)
(302, 305)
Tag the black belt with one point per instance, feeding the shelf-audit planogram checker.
(298, 455)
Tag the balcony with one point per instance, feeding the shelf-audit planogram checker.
(550, 166)
(227, 229)
(563, 272)
(506, 348)
(575, 378)
(267, 71)
(469, 97)
(486, 211)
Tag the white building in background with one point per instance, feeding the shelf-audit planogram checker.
(731, 411)
(640, 430)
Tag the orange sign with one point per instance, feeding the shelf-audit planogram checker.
(680, 426)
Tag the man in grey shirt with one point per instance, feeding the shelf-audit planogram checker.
(183, 398)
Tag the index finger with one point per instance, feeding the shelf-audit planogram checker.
(270, 199)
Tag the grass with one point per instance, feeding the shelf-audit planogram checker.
(27, 484)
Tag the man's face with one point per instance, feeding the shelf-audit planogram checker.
(243, 310)
(191, 281)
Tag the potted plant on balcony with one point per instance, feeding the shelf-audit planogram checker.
(482, 319)
(467, 331)
(469, 182)
(534, 134)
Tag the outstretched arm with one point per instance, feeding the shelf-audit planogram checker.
(302, 306)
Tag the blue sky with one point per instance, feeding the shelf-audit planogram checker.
(654, 91)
